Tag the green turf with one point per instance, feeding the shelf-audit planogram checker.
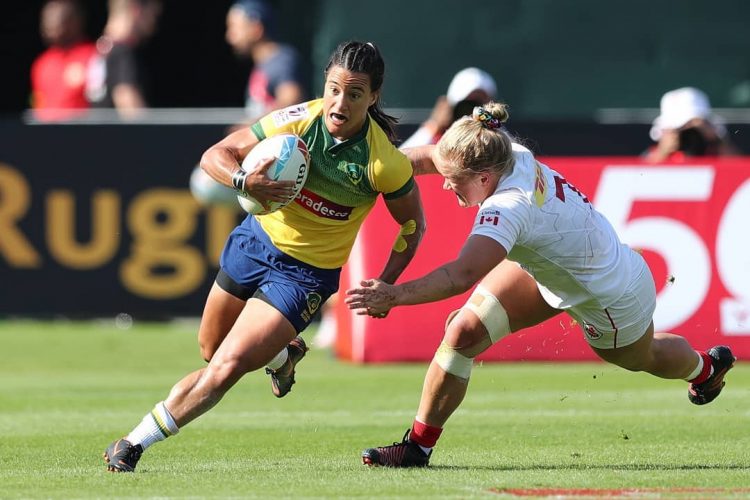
(68, 389)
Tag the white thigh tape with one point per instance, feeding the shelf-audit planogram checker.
(490, 312)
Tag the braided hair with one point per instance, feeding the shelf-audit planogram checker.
(361, 57)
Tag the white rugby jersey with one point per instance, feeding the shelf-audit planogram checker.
(555, 234)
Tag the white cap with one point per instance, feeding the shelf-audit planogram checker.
(679, 107)
(467, 81)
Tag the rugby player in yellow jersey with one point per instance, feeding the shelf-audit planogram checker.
(277, 269)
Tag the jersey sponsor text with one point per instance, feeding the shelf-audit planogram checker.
(321, 206)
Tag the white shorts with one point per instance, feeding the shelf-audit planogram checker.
(625, 321)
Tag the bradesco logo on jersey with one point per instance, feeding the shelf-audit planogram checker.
(321, 206)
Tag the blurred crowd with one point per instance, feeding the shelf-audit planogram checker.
(75, 74)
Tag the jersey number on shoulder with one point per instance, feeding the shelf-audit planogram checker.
(560, 193)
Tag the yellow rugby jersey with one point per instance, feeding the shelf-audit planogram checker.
(320, 225)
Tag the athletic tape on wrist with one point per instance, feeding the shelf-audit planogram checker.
(238, 180)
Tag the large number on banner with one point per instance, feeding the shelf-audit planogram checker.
(679, 245)
(733, 262)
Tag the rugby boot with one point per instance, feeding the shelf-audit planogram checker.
(404, 454)
(722, 361)
(282, 379)
(122, 456)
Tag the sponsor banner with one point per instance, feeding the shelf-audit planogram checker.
(96, 221)
(689, 220)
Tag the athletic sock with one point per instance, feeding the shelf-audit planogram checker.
(424, 435)
(425, 449)
(155, 426)
(278, 360)
(698, 368)
(704, 369)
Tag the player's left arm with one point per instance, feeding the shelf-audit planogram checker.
(407, 211)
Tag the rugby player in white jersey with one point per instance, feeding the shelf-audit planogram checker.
(537, 248)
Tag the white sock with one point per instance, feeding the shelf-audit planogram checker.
(698, 368)
(278, 360)
(155, 426)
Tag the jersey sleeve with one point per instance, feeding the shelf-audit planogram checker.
(504, 217)
(295, 119)
(391, 173)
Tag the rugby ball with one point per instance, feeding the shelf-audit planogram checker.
(292, 164)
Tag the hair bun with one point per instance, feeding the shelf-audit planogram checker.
(484, 117)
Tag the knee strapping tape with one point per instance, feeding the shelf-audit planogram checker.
(491, 313)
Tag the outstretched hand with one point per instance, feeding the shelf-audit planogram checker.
(374, 298)
(262, 188)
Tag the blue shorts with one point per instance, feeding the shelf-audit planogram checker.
(251, 266)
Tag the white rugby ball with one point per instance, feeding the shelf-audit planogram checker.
(292, 164)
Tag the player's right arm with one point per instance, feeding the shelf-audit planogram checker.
(478, 257)
(223, 161)
(421, 159)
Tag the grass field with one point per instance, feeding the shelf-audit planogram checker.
(68, 389)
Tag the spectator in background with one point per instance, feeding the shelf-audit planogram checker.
(687, 127)
(58, 75)
(117, 78)
(470, 87)
(276, 80)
